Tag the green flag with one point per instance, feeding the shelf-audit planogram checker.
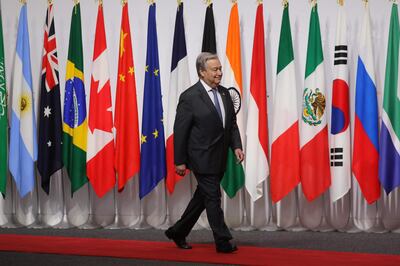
(389, 155)
(74, 120)
(3, 118)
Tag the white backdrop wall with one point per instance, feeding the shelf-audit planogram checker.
(351, 213)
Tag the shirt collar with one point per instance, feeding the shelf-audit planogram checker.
(205, 85)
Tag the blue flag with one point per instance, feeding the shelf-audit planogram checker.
(152, 157)
(23, 144)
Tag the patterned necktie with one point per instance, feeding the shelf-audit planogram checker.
(216, 103)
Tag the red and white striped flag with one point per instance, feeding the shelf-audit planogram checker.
(257, 169)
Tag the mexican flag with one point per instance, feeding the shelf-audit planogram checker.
(314, 153)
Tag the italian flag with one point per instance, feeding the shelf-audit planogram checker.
(285, 149)
(314, 154)
(233, 178)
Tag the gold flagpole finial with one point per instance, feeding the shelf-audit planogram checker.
(341, 2)
(394, 1)
(285, 3)
(100, 2)
(259, 2)
(234, 1)
(123, 2)
(365, 2)
(179, 2)
(151, 2)
(208, 2)
(76, 2)
(50, 2)
(22, 2)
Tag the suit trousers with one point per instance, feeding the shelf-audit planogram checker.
(207, 196)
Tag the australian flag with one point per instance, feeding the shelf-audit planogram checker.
(152, 157)
(50, 131)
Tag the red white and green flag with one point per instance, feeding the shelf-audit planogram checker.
(314, 152)
(285, 148)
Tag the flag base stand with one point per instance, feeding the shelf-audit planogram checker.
(90, 224)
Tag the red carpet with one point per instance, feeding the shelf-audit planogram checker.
(204, 253)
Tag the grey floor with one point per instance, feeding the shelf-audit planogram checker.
(385, 243)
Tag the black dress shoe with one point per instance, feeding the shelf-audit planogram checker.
(226, 248)
(179, 242)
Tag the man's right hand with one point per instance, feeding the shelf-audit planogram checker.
(180, 169)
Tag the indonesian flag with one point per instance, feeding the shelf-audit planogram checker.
(257, 168)
(100, 150)
(178, 83)
(127, 149)
(340, 115)
(233, 179)
(285, 149)
(314, 153)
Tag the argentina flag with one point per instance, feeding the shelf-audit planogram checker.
(23, 144)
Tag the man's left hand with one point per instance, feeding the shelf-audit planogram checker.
(239, 155)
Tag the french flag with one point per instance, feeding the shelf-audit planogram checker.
(178, 83)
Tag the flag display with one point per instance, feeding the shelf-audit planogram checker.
(365, 147)
(127, 149)
(100, 150)
(3, 118)
(209, 40)
(50, 125)
(389, 157)
(23, 141)
(257, 169)
(285, 148)
(340, 147)
(74, 119)
(179, 81)
(233, 178)
(153, 162)
(314, 153)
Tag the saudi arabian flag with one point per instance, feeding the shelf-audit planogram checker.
(74, 121)
(3, 118)
(233, 178)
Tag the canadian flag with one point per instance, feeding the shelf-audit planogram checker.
(100, 150)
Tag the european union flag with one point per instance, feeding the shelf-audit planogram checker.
(152, 157)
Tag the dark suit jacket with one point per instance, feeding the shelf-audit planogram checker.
(200, 140)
